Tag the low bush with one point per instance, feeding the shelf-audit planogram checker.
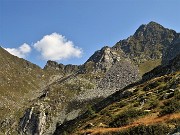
(153, 104)
(126, 117)
(170, 106)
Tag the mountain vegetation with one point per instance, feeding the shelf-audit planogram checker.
(130, 88)
(146, 107)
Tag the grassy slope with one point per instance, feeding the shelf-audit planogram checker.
(20, 81)
(147, 121)
(148, 66)
(156, 99)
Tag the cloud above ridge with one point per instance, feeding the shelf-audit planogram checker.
(57, 47)
(21, 52)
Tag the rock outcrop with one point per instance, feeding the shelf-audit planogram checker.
(102, 60)
(60, 68)
(121, 74)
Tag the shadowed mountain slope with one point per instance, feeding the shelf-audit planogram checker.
(150, 107)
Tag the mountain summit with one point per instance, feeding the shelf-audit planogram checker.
(147, 28)
(149, 45)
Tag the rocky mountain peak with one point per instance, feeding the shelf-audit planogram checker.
(151, 25)
(100, 55)
(103, 59)
(53, 65)
(152, 30)
(154, 24)
(61, 68)
(150, 43)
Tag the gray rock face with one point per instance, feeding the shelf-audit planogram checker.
(53, 65)
(64, 69)
(29, 123)
(35, 121)
(102, 60)
(120, 75)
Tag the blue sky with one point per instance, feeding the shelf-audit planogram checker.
(76, 28)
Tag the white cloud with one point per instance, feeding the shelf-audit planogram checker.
(21, 52)
(57, 47)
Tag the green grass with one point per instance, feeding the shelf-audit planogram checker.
(148, 66)
(172, 105)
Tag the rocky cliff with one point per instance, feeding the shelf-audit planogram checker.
(102, 60)
(60, 68)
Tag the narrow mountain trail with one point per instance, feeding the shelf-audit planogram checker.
(148, 120)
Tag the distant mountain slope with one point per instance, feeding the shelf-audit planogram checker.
(150, 46)
(67, 97)
(151, 107)
(105, 72)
